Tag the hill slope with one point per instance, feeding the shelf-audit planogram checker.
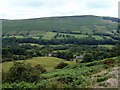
(96, 74)
(64, 23)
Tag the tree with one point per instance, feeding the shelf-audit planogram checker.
(88, 57)
(61, 65)
(39, 68)
(68, 56)
(116, 50)
(22, 72)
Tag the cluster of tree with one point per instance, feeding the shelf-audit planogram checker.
(102, 34)
(67, 32)
(24, 51)
(7, 42)
(73, 32)
(19, 52)
(82, 41)
(98, 55)
(112, 19)
(15, 49)
(64, 55)
(115, 37)
(108, 34)
(63, 35)
(23, 72)
(60, 47)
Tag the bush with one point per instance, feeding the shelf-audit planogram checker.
(39, 68)
(109, 61)
(88, 57)
(66, 79)
(102, 79)
(61, 65)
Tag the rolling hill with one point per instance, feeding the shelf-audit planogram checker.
(87, 23)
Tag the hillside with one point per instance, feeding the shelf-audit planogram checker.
(86, 23)
(97, 74)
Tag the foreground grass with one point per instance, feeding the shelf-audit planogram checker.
(47, 62)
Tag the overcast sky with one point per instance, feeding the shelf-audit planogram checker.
(24, 9)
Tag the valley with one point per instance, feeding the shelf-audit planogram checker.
(61, 52)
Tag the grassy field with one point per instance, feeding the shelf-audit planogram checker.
(44, 35)
(49, 35)
(106, 46)
(46, 62)
(17, 36)
(97, 37)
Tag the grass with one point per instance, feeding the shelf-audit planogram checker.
(19, 36)
(47, 62)
(38, 45)
(35, 37)
(32, 44)
(16, 36)
(97, 37)
(49, 35)
(106, 46)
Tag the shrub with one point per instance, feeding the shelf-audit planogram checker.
(61, 65)
(88, 57)
(66, 79)
(102, 79)
(109, 61)
(39, 68)
(18, 86)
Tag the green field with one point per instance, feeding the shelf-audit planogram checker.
(47, 62)
(107, 46)
(97, 37)
(17, 36)
(49, 35)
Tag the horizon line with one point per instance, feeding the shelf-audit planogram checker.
(57, 16)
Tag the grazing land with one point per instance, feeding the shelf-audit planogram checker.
(47, 62)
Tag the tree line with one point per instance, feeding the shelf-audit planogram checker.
(71, 40)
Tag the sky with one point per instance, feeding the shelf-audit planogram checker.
(24, 9)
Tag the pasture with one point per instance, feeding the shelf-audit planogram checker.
(49, 35)
(47, 62)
